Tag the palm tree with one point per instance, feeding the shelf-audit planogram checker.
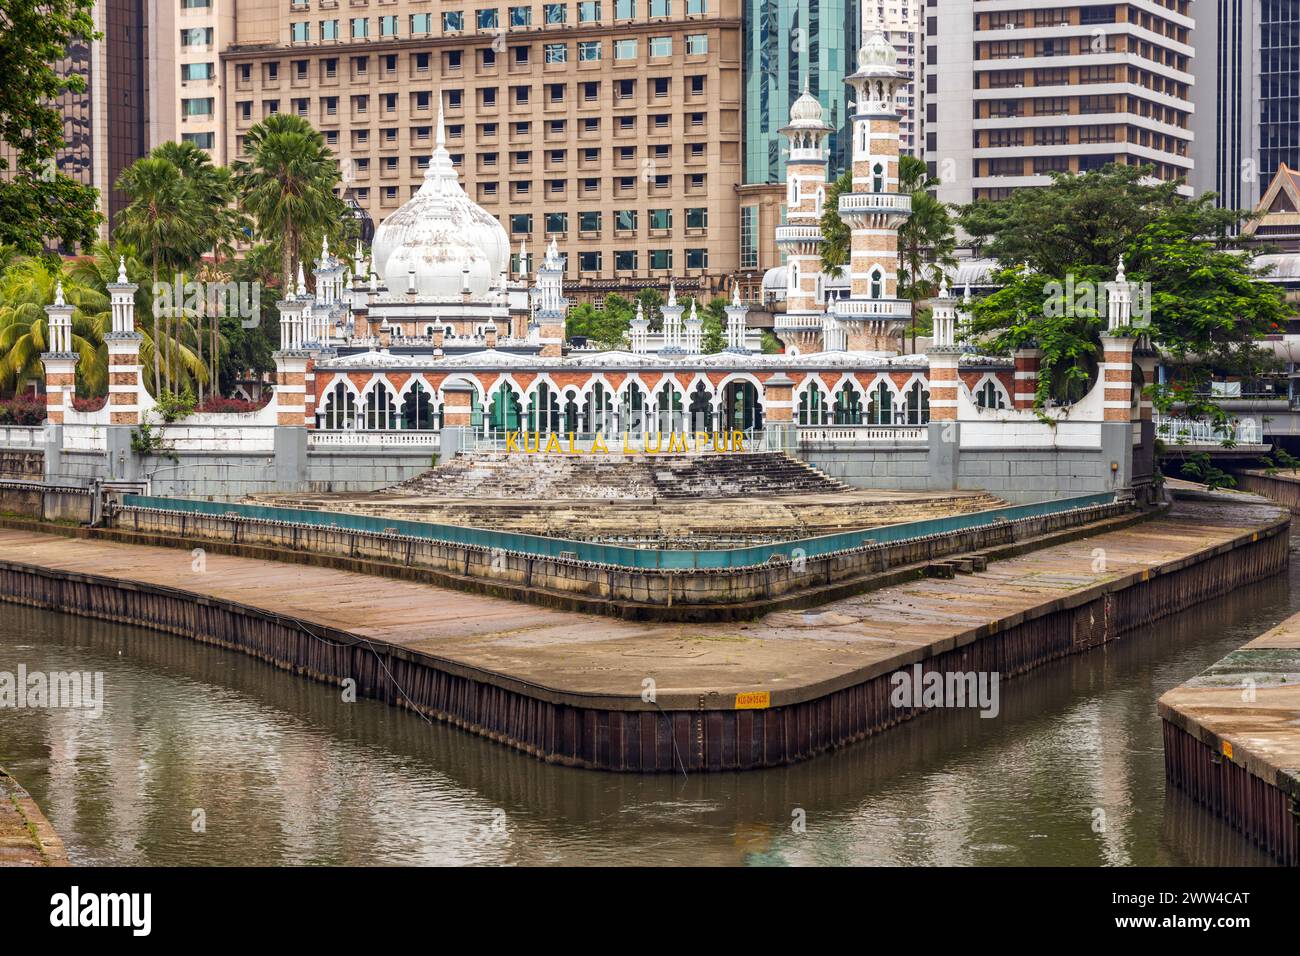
(835, 232)
(221, 224)
(96, 272)
(927, 240)
(160, 221)
(286, 182)
(26, 287)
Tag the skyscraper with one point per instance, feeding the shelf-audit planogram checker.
(790, 45)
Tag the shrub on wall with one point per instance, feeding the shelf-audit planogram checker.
(26, 409)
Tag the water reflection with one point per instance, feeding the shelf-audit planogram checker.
(283, 771)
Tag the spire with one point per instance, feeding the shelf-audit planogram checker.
(324, 249)
(943, 288)
(735, 294)
(440, 140)
(302, 280)
(672, 292)
(523, 260)
(122, 279)
(1119, 276)
(694, 314)
(966, 296)
(58, 294)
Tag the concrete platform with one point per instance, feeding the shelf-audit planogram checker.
(782, 687)
(1233, 739)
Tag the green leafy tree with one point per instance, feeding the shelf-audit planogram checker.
(606, 328)
(38, 203)
(713, 325)
(1207, 309)
(927, 239)
(287, 181)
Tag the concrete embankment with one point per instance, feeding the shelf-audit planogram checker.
(598, 692)
(1280, 486)
(1232, 740)
(26, 837)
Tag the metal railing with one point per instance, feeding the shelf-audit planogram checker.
(864, 434)
(1195, 431)
(617, 555)
(392, 437)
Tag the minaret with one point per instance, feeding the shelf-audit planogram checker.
(736, 313)
(552, 306)
(799, 329)
(60, 361)
(694, 335)
(292, 358)
(672, 313)
(639, 330)
(125, 394)
(873, 315)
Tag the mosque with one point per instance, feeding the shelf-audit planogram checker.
(431, 328)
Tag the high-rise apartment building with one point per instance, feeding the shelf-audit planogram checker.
(185, 43)
(611, 125)
(790, 46)
(1016, 90)
(105, 126)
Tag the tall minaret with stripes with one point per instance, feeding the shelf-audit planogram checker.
(800, 327)
(873, 316)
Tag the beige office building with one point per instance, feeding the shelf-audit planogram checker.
(1016, 90)
(184, 53)
(611, 125)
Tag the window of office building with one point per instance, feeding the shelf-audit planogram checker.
(521, 223)
(697, 44)
(697, 218)
(589, 262)
(196, 36)
(661, 258)
(661, 8)
(300, 32)
(388, 26)
(589, 221)
(697, 258)
(197, 107)
(521, 16)
(749, 237)
(360, 28)
(661, 46)
(487, 19)
(555, 13)
(624, 9)
(661, 218)
(201, 140)
(697, 8)
(557, 222)
(625, 220)
(625, 261)
(589, 11)
(557, 53)
(625, 49)
(196, 71)
(588, 50)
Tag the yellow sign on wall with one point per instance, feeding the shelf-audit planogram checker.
(652, 443)
(754, 700)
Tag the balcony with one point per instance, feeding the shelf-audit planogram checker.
(876, 203)
(873, 308)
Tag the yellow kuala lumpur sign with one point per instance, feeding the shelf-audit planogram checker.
(654, 443)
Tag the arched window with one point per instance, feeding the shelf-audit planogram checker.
(794, 278)
(918, 405)
(848, 406)
(417, 409)
(340, 408)
(741, 408)
(598, 410)
(812, 406)
(543, 409)
(571, 412)
(381, 410)
(880, 409)
(504, 412)
(989, 396)
(670, 409)
(701, 410)
(878, 178)
(877, 283)
(631, 411)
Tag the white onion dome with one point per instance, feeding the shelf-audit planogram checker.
(439, 233)
(806, 114)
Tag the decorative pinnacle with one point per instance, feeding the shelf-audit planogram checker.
(735, 293)
(1119, 276)
(302, 280)
(121, 270)
(58, 294)
(672, 293)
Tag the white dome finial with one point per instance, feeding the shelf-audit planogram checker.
(302, 280)
(58, 293)
(121, 270)
(672, 292)
(1119, 275)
